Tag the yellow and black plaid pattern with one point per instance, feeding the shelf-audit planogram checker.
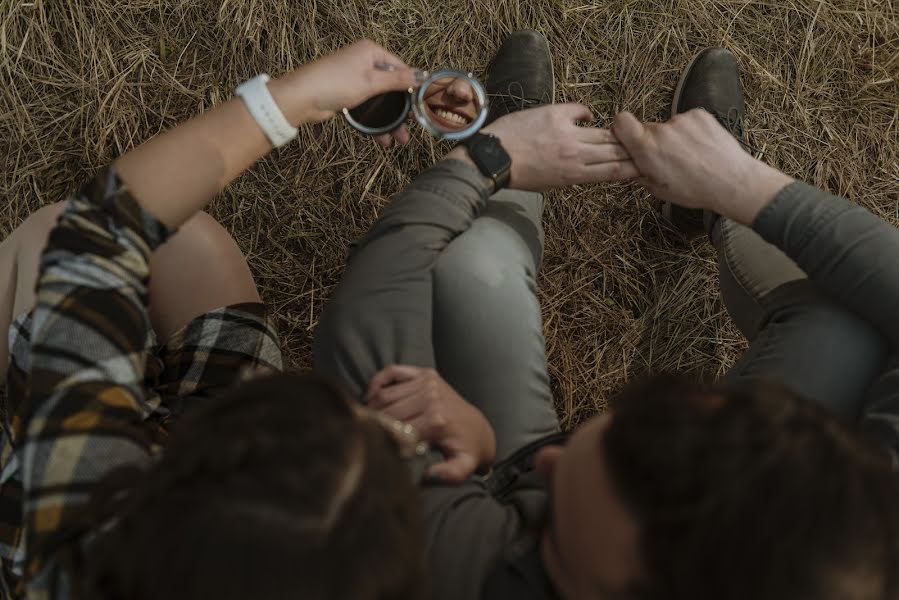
(89, 390)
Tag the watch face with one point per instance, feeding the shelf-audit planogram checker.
(491, 155)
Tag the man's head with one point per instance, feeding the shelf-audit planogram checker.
(451, 103)
(278, 490)
(682, 492)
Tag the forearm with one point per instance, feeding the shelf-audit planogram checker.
(177, 173)
(847, 251)
(460, 154)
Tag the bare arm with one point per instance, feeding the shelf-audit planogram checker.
(177, 173)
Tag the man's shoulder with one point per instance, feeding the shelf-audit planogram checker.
(476, 529)
(510, 500)
(470, 532)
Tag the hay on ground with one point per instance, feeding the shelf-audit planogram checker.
(83, 82)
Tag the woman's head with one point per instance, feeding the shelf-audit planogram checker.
(277, 490)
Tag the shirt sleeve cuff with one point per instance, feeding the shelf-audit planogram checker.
(108, 193)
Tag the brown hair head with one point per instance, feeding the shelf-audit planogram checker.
(744, 494)
(277, 490)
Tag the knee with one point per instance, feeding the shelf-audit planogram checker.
(202, 258)
(485, 273)
(204, 236)
(844, 331)
(842, 340)
(485, 263)
(201, 245)
(39, 223)
(47, 215)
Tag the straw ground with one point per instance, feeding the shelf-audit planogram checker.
(622, 295)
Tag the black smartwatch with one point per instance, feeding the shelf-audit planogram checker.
(490, 157)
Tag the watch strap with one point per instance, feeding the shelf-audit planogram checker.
(262, 106)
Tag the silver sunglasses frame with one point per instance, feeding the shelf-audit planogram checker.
(425, 121)
(415, 100)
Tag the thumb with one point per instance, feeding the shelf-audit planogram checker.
(630, 132)
(454, 470)
(394, 79)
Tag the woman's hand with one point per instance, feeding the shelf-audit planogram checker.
(344, 79)
(422, 398)
(550, 150)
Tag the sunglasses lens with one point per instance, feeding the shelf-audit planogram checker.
(380, 114)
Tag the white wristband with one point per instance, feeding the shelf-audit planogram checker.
(264, 109)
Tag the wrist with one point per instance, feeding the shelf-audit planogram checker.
(758, 187)
(290, 95)
(460, 154)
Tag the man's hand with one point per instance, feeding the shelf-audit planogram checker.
(422, 398)
(694, 162)
(550, 150)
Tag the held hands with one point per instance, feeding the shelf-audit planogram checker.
(422, 398)
(550, 150)
(694, 162)
(691, 160)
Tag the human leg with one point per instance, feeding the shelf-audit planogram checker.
(383, 310)
(798, 336)
(816, 348)
(488, 330)
(199, 269)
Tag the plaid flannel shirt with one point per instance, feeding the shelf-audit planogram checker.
(82, 406)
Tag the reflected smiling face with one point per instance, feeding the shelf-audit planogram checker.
(451, 103)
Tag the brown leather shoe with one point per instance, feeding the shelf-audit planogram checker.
(712, 82)
(520, 75)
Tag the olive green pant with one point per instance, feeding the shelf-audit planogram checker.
(446, 279)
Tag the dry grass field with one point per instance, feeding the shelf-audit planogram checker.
(83, 81)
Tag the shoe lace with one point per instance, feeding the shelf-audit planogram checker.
(733, 122)
(514, 99)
